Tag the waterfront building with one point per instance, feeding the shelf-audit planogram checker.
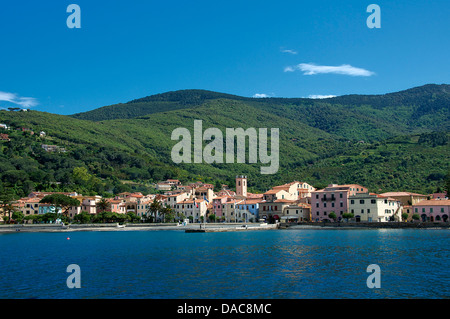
(296, 212)
(406, 198)
(117, 205)
(272, 209)
(193, 209)
(172, 200)
(230, 210)
(87, 204)
(28, 206)
(370, 207)
(433, 210)
(205, 193)
(248, 210)
(218, 206)
(334, 198)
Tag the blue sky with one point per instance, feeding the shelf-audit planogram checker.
(130, 49)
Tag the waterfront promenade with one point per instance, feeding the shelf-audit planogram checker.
(210, 227)
(195, 227)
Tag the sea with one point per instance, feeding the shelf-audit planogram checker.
(258, 264)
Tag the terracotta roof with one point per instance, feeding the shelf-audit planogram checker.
(191, 201)
(273, 191)
(402, 194)
(250, 201)
(433, 202)
(284, 201)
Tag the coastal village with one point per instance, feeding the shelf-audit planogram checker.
(199, 202)
(294, 202)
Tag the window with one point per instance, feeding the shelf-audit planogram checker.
(317, 204)
(442, 209)
(341, 204)
(340, 195)
(368, 211)
(361, 201)
(324, 204)
(416, 210)
(362, 211)
(352, 201)
(296, 211)
(317, 196)
(423, 210)
(373, 201)
(352, 211)
(431, 209)
(332, 204)
(325, 213)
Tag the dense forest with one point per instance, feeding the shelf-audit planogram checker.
(397, 141)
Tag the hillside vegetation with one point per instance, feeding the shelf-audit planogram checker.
(396, 141)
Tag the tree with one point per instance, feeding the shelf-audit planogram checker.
(347, 216)
(7, 198)
(415, 217)
(165, 211)
(405, 216)
(83, 217)
(17, 216)
(332, 215)
(132, 217)
(212, 218)
(102, 205)
(62, 201)
(154, 208)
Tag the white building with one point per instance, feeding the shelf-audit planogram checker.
(370, 207)
(192, 208)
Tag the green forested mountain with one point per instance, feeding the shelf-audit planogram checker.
(396, 141)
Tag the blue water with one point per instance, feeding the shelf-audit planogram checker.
(282, 264)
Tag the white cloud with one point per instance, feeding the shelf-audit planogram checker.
(289, 51)
(19, 100)
(260, 95)
(345, 69)
(318, 96)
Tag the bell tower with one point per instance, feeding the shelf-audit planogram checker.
(241, 185)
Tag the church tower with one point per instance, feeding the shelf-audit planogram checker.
(241, 185)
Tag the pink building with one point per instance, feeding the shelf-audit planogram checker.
(334, 198)
(218, 206)
(433, 210)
